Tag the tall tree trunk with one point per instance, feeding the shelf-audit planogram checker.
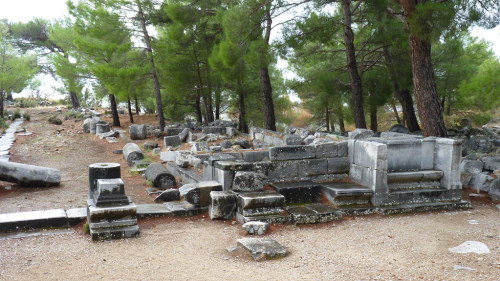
(114, 110)
(137, 106)
(217, 102)
(373, 119)
(242, 124)
(265, 80)
(352, 68)
(130, 115)
(154, 73)
(210, 105)
(410, 117)
(395, 110)
(207, 101)
(2, 99)
(327, 118)
(430, 110)
(402, 95)
(340, 114)
(74, 100)
(197, 109)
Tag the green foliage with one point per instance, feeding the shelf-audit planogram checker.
(16, 114)
(54, 119)
(73, 114)
(3, 124)
(26, 102)
(482, 90)
(27, 116)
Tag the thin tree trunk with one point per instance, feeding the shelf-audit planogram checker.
(410, 117)
(156, 81)
(130, 115)
(373, 119)
(327, 118)
(217, 102)
(209, 115)
(197, 109)
(114, 110)
(74, 100)
(352, 68)
(137, 106)
(340, 115)
(402, 95)
(242, 124)
(2, 99)
(265, 80)
(395, 110)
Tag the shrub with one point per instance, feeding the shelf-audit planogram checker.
(17, 114)
(26, 102)
(26, 116)
(55, 120)
(3, 124)
(73, 114)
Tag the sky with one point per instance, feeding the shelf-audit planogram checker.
(25, 10)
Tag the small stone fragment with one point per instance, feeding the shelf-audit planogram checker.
(168, 195)
(263, 248)
(470, 247)
(256, 227)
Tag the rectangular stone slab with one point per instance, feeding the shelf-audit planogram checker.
(299, 192)
(33, 220)
(263, 248)
(292, 152)
(263, 199)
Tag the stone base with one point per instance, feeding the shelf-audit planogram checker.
(395, 198)
(184, 209)
(347, 194)
(299, 192)
(119, 233)
(283, 219)
(425, 207)
(314, 213)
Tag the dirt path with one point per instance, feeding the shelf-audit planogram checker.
(403, 247)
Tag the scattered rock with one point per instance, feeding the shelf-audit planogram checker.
(150, 145)
(248, 181)
(256, 227)
(168, 195)
(361, 134)
(398, 128)
(471, 247)
(263, 248)
(459, 267)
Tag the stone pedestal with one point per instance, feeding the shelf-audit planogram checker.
(110, 213)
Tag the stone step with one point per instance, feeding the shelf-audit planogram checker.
(33, 220)
(115, 233)
(402, 197)
(407, 176)
(347, 194)
(261, 199)
(313, 213)
(299, 192)
(425, 207)
(276, 218)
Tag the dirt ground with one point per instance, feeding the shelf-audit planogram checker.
(401, 247)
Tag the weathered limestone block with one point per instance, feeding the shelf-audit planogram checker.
(293, 140)
(138, 131)
(292, 152)
(200, 146)
(491, 163)
(482, 182)
(299, 192)
(102, 171)
(159, 176)
(222, 205)
(263, 248)
(370, 154)
(231, 131)
(248, 181)
(102, 128)
(88, 123)
(339, 165)
(171, 194)
(256, 227)
(172, 141)
(184, 134)
(342, 149)
(361, 134)
(447, 159)
(93, 123)
(199, 194)
(262, 199)
(327, 150)
(182, 161)
(213, 130)
(29, 175)
(110, 192)
(170, 131)
(132, 152)
(150, 145)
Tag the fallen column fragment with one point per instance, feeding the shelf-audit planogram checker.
(159, 176)
(132, 152)
(29, 175)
